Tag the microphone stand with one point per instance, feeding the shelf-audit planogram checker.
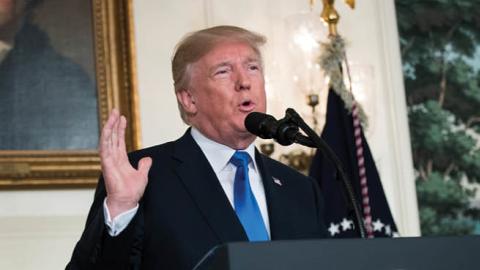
(293, 117)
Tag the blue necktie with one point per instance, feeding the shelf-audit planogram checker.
(246, 206)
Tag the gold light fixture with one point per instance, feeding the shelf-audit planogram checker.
(307, 30)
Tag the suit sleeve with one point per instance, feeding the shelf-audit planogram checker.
(96, 249)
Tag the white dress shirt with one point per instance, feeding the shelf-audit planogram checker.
(218, 155)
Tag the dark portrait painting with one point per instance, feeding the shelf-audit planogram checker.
(64, 65)
(48, 97)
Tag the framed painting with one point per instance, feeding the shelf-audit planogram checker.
(63, 66)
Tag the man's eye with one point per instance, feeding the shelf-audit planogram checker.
(254, 67)
(221, 71)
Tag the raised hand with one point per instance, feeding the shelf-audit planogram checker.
(125, 185)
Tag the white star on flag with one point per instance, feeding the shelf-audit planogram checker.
(346, 224)
(333, 229)
(377, 225)
(388, 230)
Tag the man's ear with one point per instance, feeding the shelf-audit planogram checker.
(187, 100)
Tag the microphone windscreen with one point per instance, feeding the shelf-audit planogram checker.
(261, 124)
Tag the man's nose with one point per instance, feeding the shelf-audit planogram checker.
(242, 80)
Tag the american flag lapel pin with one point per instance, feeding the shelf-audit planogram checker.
(277, 181)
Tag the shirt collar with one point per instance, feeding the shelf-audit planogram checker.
(218, 155)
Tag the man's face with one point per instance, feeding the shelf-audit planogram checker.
(10, 10)
(225, 86)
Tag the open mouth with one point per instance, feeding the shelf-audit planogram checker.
(247, 106)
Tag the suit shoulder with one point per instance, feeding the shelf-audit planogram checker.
(278, 169)
(155, 152)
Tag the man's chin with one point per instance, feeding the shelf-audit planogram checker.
(247, 136)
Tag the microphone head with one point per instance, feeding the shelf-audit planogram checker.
(263, 125)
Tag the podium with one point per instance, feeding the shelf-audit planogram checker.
(381, 253)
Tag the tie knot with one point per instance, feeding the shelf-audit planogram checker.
(240, 158)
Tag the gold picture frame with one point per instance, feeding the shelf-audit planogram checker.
(116, 88)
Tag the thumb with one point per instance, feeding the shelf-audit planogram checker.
(144, 165)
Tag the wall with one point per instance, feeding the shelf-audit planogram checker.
(43, 226)
(38, 229)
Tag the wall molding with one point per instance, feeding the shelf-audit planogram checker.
(405, 196)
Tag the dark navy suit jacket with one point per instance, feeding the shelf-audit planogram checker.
(185, 212)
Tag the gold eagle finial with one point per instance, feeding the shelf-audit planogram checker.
(330, 15)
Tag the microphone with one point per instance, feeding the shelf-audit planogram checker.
(284, 131)
(287, 131)
(263, 125)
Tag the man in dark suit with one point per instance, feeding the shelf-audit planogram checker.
(164, 207)
(47, 101)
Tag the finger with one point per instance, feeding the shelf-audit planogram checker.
(105, 136)
(144, 166)
(121, 134)
(108, 127)
(114, 136)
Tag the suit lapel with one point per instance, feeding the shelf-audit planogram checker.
(203, 186)
(276, 201)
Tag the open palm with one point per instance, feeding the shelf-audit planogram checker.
(125, 185)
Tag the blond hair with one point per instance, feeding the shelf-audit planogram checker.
(197, 44)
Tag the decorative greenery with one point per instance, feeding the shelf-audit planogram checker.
(439, 41)
(331, 57)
